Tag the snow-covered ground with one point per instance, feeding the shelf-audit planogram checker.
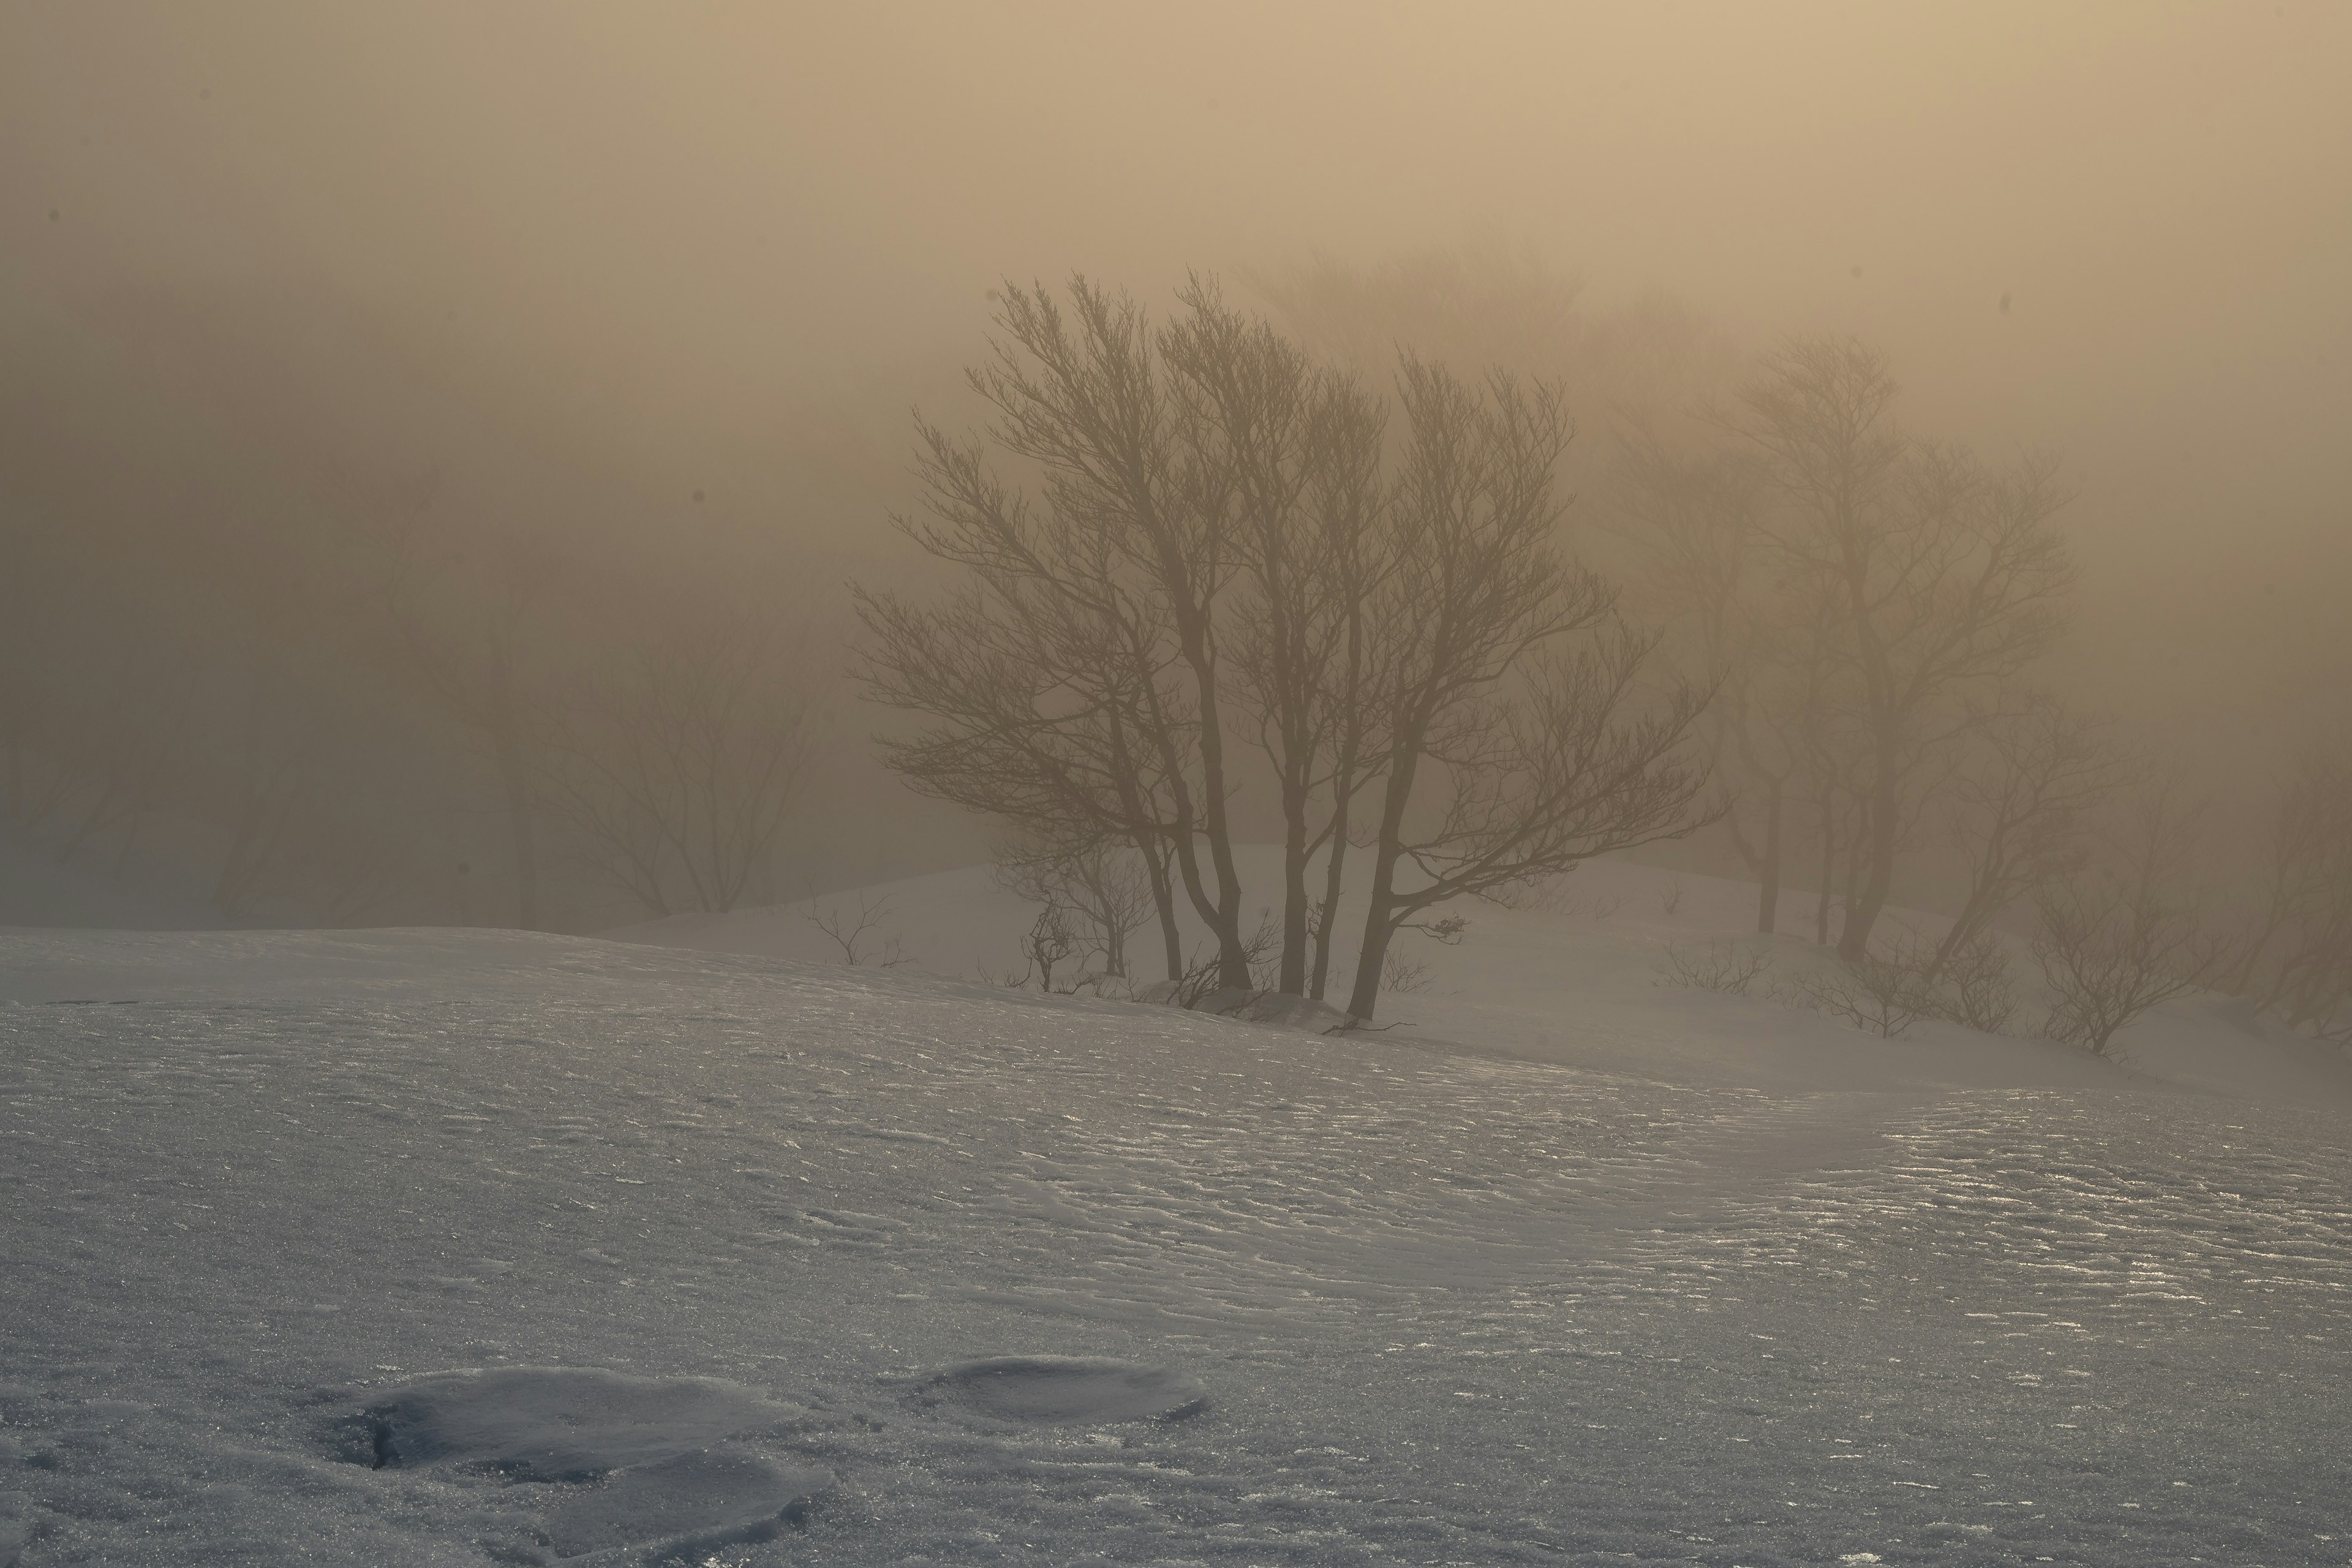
(453, 1246)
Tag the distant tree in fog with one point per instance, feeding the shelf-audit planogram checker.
(676, 758)
(1479, 304)
(2022, 803)
(2297, 962)
(1694, 526)
(464, 617)
(1942, 578)
(2125, 933)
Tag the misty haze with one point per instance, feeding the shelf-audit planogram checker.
(1177, 785)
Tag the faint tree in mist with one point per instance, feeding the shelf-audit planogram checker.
(2298, 959)
(677, 758)
(2125, 934)
(2021, 807)
(464, 622)
(1693, 524)
(1942, 578)
(1487, 304)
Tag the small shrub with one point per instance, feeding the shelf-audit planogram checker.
(1879, 996)
(1974, 989)
(2110, 954)
(859, 933)
(1400, 975)
(1720, 966)
(1905, 982)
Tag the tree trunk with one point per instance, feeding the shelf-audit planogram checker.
(1334, 866)
(1829, 871)
(1233, 961)
(1293, 981)
(1768, 891)
(1853, 939)
(1163, 904)
(1366, 993)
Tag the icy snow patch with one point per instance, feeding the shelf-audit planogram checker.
(561, 1423)
(641, 1460)
(1066, 1389)
(710, 1499)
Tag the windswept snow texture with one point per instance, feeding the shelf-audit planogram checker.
(1440, 1307)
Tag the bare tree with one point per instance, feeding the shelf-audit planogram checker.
(1303, 449)
(1101, 881)
(2119, 939)
(1546, 761)
(860, 932)
(1695, 524)
(1044, 684)
(2021, 807)
(1211, 543)
(2298, 959)
(1137, 464)
(271, 774)
(1945, 576)
(1104, 652)
(685, 756)
(1084, 677)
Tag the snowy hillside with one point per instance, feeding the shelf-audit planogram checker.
(1575, 980)
(461, 1246)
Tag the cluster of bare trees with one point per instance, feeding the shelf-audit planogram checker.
(1184, 545)
(1872, 608)
(2295, 960)
(1871, 605)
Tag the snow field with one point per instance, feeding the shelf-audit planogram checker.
(966, 1276)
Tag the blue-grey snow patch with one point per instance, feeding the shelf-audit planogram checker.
(690, 1500)
(561, 1423)
(1066, 1389)
(625, 1461)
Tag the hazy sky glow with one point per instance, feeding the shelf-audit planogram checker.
(725, 237)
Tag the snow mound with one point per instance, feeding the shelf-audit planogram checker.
(713, 1498)
(561, 1423)
(635, 1461)
(1274, 1008)
(1067, 1389)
